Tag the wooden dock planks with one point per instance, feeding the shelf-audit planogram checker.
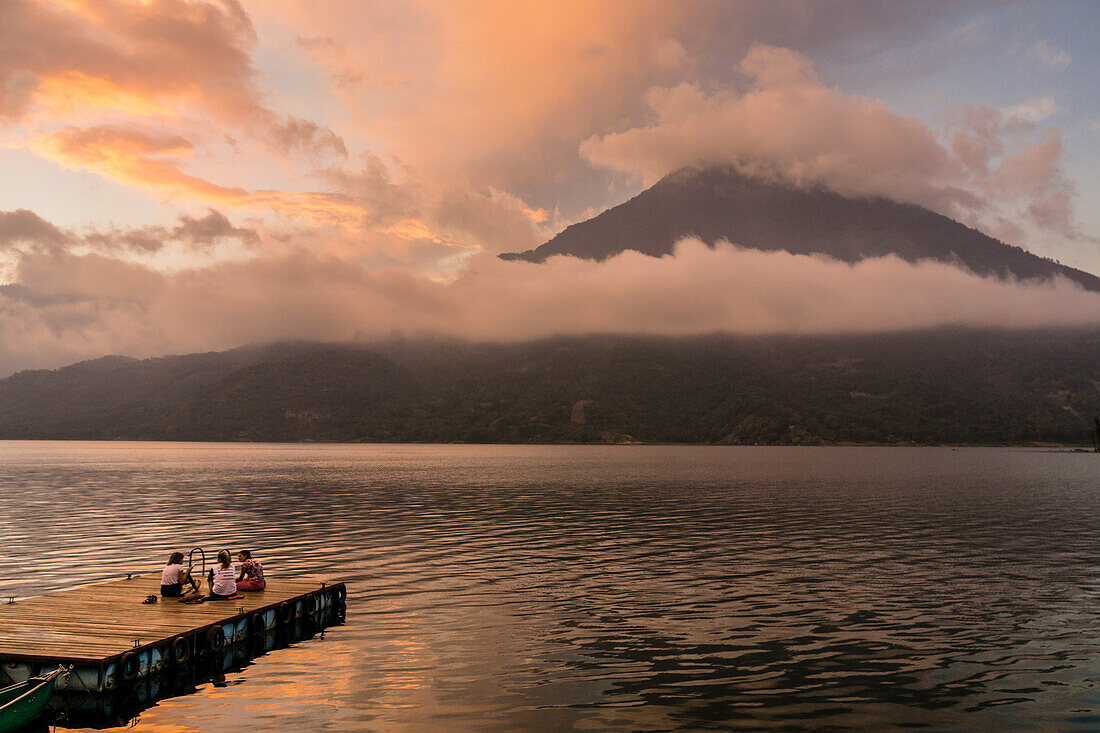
(97, 622)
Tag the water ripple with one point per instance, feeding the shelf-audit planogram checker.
(640, 588)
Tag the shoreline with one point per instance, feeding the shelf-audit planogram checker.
(1038, 445)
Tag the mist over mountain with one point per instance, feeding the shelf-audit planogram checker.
(719, 203)
(930, 387)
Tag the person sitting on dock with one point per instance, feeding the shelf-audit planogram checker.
(174, 576)
(222, 582)
(251, 576)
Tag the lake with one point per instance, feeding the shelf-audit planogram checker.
(608, 587)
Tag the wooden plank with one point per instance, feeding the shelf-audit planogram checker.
(101, 621)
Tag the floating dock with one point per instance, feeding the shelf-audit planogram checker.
(125, 654)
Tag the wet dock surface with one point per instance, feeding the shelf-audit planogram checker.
(123, 655)
(96, 623)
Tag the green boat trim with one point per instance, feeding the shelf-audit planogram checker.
(25, 702)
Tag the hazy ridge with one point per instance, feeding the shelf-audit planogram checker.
(953, 386)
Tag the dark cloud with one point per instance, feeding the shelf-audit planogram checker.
(304, 136)
(23, 227)
(26, 227)
(209, 229)
(145, 239)
(384, 200)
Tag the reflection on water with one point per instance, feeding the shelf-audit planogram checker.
(640, 588)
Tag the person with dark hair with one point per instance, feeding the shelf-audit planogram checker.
(222, 582)
(173, 577)
(251, 576)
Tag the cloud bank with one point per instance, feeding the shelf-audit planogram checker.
(67, 307)
(998, 167)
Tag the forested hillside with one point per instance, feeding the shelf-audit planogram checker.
(960, 386)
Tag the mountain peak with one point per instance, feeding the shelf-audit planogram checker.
(719, 203)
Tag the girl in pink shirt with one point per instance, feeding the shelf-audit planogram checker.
(251, 576)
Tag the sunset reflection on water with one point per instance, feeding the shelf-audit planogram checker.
(641, 588)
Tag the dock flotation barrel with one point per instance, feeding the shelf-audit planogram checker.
(130, 666)
(215, 638)
(180, 650)
(257, 630)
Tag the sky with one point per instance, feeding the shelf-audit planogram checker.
(180, 176)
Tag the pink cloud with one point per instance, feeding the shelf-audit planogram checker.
(787, 124)
(790, 125)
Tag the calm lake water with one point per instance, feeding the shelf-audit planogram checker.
(592, 588)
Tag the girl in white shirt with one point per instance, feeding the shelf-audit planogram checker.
(174, 576)
(223, 582)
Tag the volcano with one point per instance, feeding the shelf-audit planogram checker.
(719, 203)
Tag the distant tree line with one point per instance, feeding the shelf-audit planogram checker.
(942, 387)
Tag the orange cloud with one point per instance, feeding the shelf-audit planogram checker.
(124, 51)
(135, 158)
(492, 93)
(76, 92)
(112, 60)
(411, 229)
(368, 201)
(152, 162)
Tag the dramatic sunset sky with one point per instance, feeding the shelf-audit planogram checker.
(179, 176)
